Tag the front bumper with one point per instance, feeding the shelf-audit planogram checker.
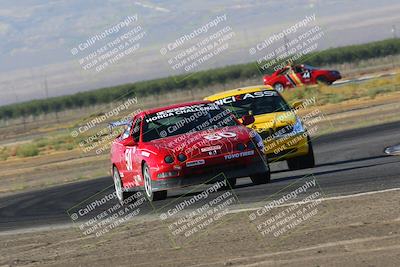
(286, 147)
(213, 174)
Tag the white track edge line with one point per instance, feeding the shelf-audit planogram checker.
(320, 199)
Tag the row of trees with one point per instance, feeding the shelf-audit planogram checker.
(354, 53)
(183, 82)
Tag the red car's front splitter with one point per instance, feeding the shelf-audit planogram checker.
(218, 173)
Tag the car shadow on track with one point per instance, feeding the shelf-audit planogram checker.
(309, 171)
(350, 161)
(336, 170)
(337, 163)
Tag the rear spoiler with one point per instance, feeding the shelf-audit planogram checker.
(114, 124)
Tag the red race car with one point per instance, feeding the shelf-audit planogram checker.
(292, 76)
(183, 145)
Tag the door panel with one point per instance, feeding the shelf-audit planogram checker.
(136, 157)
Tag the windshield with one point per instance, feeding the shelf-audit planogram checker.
(186, 119)
(309, 67)
(258, 103)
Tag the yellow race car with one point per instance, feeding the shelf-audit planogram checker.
(283, 133)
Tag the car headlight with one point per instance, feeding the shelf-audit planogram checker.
(182, 157)
(169, 159)
(240, 147)
(250, 145)
(256, 139)
(298, 127)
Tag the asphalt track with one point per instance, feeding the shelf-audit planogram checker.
(348, 162)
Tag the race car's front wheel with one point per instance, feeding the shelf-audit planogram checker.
(278, 87)
(119, 190)
(262, 178)
(148, 189)
(230, 184)
(303, 162)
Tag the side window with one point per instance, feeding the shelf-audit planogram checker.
(126, 132)
(136, 130)
(299, 69)
(284, 71)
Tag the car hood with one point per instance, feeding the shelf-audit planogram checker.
(273, 121)
(267, 77)
(225, 139)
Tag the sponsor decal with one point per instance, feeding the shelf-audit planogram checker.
(195, 163)
(210, 148)
(239, 155)
(306, 74)
(182, 110)
(231, 99)
(145, 154)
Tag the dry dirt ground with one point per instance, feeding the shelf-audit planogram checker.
(361, 230)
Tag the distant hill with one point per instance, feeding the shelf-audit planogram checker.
(36, 40)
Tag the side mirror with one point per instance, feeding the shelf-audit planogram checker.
(297, 104)
(129, 141)
(247, 119)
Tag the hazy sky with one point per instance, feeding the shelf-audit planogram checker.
(37, 36)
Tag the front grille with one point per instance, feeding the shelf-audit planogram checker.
(216, 168)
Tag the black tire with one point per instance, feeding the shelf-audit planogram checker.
(230, 184)
(262, 178)
(118, 185)
(322, 80)
(303, 162)
(279, 87)
(148, 190)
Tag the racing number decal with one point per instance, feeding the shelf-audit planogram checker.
(217, 136)
(212, 137)
(227, 134)
(306, 75)
(128, 157)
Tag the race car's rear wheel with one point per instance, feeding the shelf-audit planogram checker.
(121, 195)
(303, 162)
(261, 178)
(278, 87)
(148, 189)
